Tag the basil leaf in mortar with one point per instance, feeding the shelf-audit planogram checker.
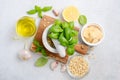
(71, 25)
(53, 35)
(73, 41)
(63, 40)
(67, 32)
(73, 33)
(65, 25)
(56, 28)
(58, 22)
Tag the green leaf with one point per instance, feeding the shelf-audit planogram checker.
(56, 28)
(71, 25)
(53, 35)
(31, 11)
(46, 8)
(43, 52)
(65, 25)
(70, 50)
(36, 43)
(38, 49)
(63, 40)
(67, 32)
(37, 8)
(41, 61)
(58, 22)
(73, 33)
(40, 14)
(73, 41)
(82, 19)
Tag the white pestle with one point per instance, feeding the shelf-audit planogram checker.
(59, 48)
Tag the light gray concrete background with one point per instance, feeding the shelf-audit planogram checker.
(106, 65)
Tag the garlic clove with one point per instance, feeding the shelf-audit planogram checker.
(63, 68)
(53, 65)
(24, 54)
(55, 12)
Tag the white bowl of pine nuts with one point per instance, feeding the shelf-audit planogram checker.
(77, 67)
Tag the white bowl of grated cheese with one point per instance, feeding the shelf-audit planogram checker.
(92, 34)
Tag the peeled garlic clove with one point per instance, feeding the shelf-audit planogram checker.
(63, 68)
(24, 55)
(54, 65)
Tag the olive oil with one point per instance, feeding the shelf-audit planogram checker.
(26, 27)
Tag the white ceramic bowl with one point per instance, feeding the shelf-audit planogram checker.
(88, 43)
(45, 42)
(73, 76)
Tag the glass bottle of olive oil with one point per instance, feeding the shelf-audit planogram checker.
(26, 27)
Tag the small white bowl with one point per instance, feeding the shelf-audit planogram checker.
(45, 42)
(88, 43)
(73, 76)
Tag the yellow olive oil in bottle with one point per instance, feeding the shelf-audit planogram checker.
(26, 27)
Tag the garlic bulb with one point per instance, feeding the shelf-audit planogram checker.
(24, 54)
(54, 65)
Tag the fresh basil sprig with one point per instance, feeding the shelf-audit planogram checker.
(42, 60)
(39, 10)
(39, 48)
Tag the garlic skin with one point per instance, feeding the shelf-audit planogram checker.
(24, 54)
(53, 65)
(63, 68)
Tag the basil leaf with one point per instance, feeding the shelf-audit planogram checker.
(56, 28)
(43, 52)
(70, 50)
(53, 35)
(82, 19)
(73, 33)
(63, 40)
(38, 49)
(31, 11)
(47, 8)
(36, 43)
(73, 41)
(37, 8)
(58, 22)
(67, 32)
(65, 25)
(41, 61)
(71, 25)
(40, 14)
